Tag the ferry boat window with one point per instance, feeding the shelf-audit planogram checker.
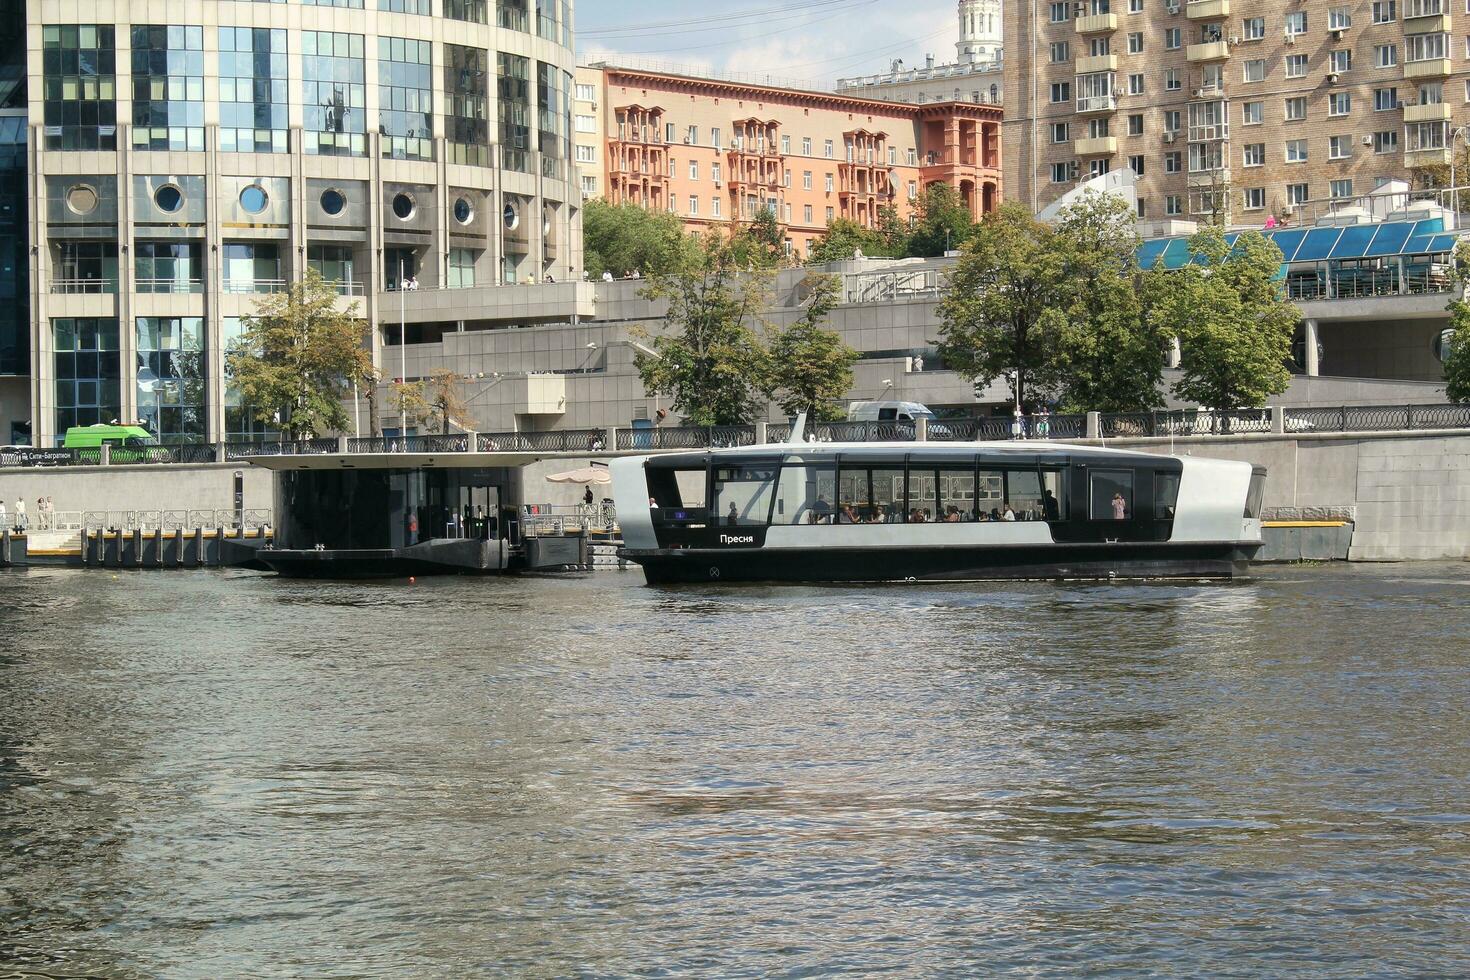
(1053, 495)
(742, 495)
(990, 494)
(672, 490)
(853, 496)
(1255, 496)
(923, 505)
(1110, 495)
(1023, 493)
(1166, 495)
(957, 495)
(888, 495)
(805, 492)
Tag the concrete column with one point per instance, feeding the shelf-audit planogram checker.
(921, 430)
(1094, 425)
(610, 443)
(1278, 419)
(213, 275)
(761, 438)
(341, 445)
(1309, 333)
(1175, 354)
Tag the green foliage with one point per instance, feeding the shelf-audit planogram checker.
(1000, 313)
(297, 358)
(1107, 357)
(411, 405)
(446, 401)
(845, 236)
(810, 368)
(1234, 325)
(710, 362)
(941, 221)
(1457, 346)
(761, 244)
(621, 238)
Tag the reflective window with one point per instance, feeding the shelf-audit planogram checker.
(80, 86)
(854, 498)
(406, 98)
(88, 371)
(1023, 494)
(467, 116)
(15, 317)
(956, 501)
(512, 15)
(241, 421)
(334, 3)
(461, 268)
(1054, 495)
(923, 499)
(1110, 495)
(554, 119)
(990, 494)
(806, 491)
(334, 263)
(252, 90)
(168, 267)
(168, 198)
(888, 495)
(677, 495)
(742, 495)
(335, 93)
(85, 267)
(168, 87)
(406, 6)
(463, 211)
(513, 83)
(1166, 495)
(333, 202)
(251, 267)
(473, 11)
(171, 377)
(253, 199)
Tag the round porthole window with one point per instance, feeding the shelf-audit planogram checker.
(333, 202)
(403, 206)
(82, 199)
(511, 217)
(168, 198)
(464, 212)
(253, 199)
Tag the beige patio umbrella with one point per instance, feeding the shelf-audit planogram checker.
(587, 474)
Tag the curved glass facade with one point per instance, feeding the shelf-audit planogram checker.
(267, 139)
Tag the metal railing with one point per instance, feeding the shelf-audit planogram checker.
(687, 437)
(253, 286)
(171, 520)
(83, 286)
(300, 447)
(561, 441)
(1377, 418)
(184, 286)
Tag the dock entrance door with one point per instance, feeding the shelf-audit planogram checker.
(479, 507)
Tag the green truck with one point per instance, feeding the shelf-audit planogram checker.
(130, 443)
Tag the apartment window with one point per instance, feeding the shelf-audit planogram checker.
(1253, 29)
(1135, 42)
(1059, 132)
(1385, 55)
(1426, 47)
(1385, 99)
(1467, 90)
(1173, 205)
(586, 154)
(1339, 19)
(1173, 162)
(1173, 38)
(1206, 157)
(1141, 208)
(1296, 65)
(806, 213)
(1296, 22)
(1296, 108)
(1099, 167)
(913, 156)
(806, 146)
(586, 93)
(786, 145)
(1341, 189)
(1172, 82)
(1097, 128)
(1135, 84)
(1135, 164)
(714, 208)
(1296, 151)
(828, 183)
(1135, 6)
(830, 215)
(1341, 61)
(913, 190)
(1339, 147)
(893, 156)
(827, 149)
(785, 176)
(691, 135)
(1254, 198)
(1297, 194)
(1253, 155)
(1060, 12)
(714, 137)
(1385, 11)
(1255, 70)
(1339, 103)
(1251, 113)
(806, 180)
(1386, 141)
(1060, 51)
(673, 167)
(693, 169)
(1061, 92)
(1171, 120)
(1135, 124)
(1059, 173)
(693, 204)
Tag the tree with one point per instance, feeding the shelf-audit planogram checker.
(710, 363)
(1234, 325)
(1456, 351)
(999, 313)
(1107, 356)
(446, 404)
(297, 357)
(761, 244)
(622, 238)
(845, 236)
(368, 379)
(942, 222)
(411, 405)
(810, 367)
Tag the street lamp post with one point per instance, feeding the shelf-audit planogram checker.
(1462, 133)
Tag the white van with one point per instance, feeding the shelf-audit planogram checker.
(887, 412)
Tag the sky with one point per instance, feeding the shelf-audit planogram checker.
(798, 41)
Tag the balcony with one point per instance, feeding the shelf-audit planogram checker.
(248, 286)
(1430, 24)
(1096, 146)
(1209, 51)
(1095, 63)
(1097, 23)
(84, 287)
(1430, 112)
(1209, 178)
(1096, 103)
(1431, 68)
(1429, 157)
(1207, 9)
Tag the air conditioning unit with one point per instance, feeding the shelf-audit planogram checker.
(1332, 78)
(1337, 33)
(1199, 93)
(686, 141)
(1233, 41)
(1367, 141)
(1080, 9)
(1073, 170)
(1289, 210)
(1289, 38)
(1169, 137)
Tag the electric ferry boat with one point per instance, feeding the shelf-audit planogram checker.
(884, 512)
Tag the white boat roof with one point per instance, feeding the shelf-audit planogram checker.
(1027, 447)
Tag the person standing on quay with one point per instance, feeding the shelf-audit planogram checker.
(41, 514)
(3, 516)
(20, 513)
(50, 513)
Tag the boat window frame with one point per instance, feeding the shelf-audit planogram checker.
(776, 465)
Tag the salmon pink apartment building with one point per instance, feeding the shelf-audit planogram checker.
(714, 152)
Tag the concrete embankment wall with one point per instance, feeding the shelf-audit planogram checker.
(118, 488)
(1409, 492)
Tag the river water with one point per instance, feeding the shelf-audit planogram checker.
(224, 774)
